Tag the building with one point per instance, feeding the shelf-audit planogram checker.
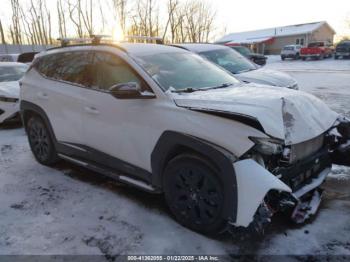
(272, 40)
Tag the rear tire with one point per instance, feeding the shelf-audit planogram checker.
(194, 193)
(41, 142)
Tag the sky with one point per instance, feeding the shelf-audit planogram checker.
(243, 15)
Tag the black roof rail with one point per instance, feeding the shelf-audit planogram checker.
(88, 41)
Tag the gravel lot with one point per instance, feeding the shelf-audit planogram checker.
(67, 210)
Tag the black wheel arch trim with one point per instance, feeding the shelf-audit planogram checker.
(26, 107)
(173, 143)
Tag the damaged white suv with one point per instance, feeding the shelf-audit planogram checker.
(167, 121)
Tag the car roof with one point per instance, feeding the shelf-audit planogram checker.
(10, 64)
(198, 48)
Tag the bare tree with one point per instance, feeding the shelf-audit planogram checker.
(61, 19)
(121, 11)
(2, 34)
(15, 28)
(145, 19)
(75, 15)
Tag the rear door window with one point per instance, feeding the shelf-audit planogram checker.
(73, 67)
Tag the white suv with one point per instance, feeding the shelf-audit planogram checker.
(167, 121)
(291, 51)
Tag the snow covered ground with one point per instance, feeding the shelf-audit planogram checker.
(69, 210)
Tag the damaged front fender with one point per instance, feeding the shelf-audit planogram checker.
(253, 183)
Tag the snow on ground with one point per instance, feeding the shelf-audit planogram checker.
(69, 210)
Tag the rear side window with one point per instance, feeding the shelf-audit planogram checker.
(73, 67)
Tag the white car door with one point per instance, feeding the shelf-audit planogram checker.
(116, 129)
(59, 94)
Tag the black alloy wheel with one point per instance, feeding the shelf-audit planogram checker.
(194, 194)
(41, 142)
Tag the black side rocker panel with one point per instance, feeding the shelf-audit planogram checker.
(172, 143)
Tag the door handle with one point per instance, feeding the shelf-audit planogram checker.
(91, 110)
(43, 96)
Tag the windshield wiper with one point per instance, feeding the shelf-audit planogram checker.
(224, 85)
(185, 90)
(191, 90)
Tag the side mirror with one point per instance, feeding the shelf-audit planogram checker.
(131, 90)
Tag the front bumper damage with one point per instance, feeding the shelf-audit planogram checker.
(8, 111)
(295, 189)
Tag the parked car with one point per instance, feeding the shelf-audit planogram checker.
(245, 51)
(342, 50)
(317, 50)
(165, 120)
(26, 58)
(241, 67)
(8, 57)
(291, 51)
(10, 74)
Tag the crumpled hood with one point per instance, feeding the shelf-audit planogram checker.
(267, 77)
(9, 89)
(291, 115)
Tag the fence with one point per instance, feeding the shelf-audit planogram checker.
(19, 49)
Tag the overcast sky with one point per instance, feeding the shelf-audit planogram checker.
(256, 14)
(242, 15)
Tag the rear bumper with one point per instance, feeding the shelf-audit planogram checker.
(342, 53)
(8, 111)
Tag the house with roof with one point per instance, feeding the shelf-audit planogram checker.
(272, 40)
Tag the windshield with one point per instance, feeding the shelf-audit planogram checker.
(230, 60)
(182, 70)
(288, 48)
(242, 49)
(12, 73)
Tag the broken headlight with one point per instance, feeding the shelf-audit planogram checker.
(268, 146)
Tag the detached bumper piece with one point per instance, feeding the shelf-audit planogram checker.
(307, 206)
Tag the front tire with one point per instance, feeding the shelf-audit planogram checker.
(194, 193)
(41, 142)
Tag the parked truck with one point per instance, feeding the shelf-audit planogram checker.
(316, 50)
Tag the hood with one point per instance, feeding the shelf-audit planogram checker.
(267, 77)
(9, 89)
(290, 115)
